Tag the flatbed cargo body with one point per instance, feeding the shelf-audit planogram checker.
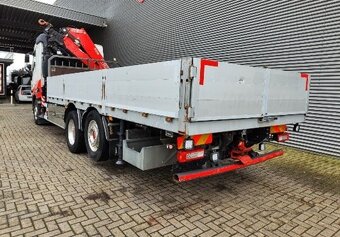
(176, 97)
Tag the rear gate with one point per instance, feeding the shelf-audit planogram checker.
(222, 91)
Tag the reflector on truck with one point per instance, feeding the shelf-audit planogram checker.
(198, 140)
(282, 137)
(278, 129)
(188, 156)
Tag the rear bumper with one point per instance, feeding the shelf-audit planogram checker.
(196, 174)
(25, 98)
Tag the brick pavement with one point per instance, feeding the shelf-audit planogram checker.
(47, 191)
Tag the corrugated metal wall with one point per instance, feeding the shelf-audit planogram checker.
(91, 7)
(299, 35)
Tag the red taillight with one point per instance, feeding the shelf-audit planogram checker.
(21, 92)
(282, 137)
(278, 129)
(190, 155)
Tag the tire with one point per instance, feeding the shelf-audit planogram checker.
(16, 99)
(74, 136)
(96, 144)
(36, 113)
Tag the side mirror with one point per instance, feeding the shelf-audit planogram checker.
(27, 58)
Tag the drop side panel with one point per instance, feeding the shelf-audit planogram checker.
(228, 91)
(287, 93)
(150, 88)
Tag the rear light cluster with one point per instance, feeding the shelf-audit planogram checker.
(281, 137)
(190, 148)
(191, 155)
(279, 133)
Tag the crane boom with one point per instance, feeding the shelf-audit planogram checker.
(74, 42)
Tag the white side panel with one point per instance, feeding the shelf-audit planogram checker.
(229, 91)
(287, 93)
(82, 87)
(55, 87)
(151, 88)
(232, 97)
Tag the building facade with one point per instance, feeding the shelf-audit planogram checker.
(290, 35)
(4, 63)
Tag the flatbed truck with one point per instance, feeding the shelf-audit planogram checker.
(200, 116)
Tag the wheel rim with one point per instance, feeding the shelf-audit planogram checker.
(71, 132)
(93, 136)
(35, 112)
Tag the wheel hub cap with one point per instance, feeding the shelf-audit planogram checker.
(92, 135)
(35, 112)
(71, 132)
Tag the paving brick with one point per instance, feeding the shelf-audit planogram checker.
(327, 232)
(51, 233)
(47, 191)
(117, 232)
(64, 227)
(181, 231)
(22, 231)
(77, 228)
(167, 230)
(36, 232)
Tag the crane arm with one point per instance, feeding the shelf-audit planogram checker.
(77, 43)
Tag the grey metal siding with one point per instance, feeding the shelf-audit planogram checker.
(288, 34)
(51, 10)
(91, 7)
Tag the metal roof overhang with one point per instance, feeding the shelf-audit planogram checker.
(19, 27)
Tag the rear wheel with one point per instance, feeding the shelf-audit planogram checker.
(37, 113)
(96, 144)
(74, 136)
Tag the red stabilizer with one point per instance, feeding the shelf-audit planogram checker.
(196, 174)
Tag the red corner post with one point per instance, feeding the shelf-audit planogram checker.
(205, 63)
(305, 76)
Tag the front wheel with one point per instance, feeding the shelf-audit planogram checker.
(74, 136)
(37, 113)
(96, 144)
